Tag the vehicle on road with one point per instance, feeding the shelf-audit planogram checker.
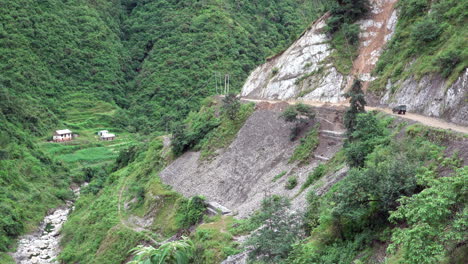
(401, 109)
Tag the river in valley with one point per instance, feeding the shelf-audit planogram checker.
(42, 246)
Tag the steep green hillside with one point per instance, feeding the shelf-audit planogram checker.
(81, 63)
(176, 47)
(430, 37)
(50, 51)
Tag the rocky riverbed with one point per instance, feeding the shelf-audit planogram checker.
(42, 246)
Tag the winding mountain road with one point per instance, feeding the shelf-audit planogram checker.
(425, 120)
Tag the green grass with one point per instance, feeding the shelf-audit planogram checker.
(6, 259)
(225, 133)
(291, 183)
(95, 154)
(214, 241)
(304, 151)
(318, 172)
(343, 53)
(97, 233)
(277, 177)
(408, 56)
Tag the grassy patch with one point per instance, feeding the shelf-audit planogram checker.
(291, 183)
(213, 240)
(225, 133)
(343, 53)
(277, 177)
(306, 147)
(414, 53)
(318, 172)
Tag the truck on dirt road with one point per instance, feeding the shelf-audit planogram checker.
(401, 109)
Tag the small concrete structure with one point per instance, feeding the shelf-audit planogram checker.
(108, 136)
(102, 132)
(105, 135)
(62, 135)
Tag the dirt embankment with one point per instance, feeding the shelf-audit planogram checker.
(376, 30)
(241, 176)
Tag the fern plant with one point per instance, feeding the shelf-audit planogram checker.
(175, 252)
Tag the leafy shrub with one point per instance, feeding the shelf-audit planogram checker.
(346, 11)
(448, 61)
(300, 115)
(194, 128)
(231, 106)
(291, 183)
(280, 229)
(274, 71)
(412, 8)
(436, 219)
(426, 31)
(190, 211)
(368, 134)
(179, 252)
(351, 33)
(318, 172)
(304, 151)
(356, 106)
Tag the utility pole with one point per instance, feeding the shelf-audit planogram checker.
(216, 82)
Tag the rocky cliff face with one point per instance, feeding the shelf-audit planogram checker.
(305, 69)
(302, 68)
(431, 96)
(241, 176)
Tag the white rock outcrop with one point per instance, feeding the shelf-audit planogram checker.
(431, 96)
(305, 70)
(284, 76)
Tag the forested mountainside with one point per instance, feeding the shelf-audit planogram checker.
(128, 65)
(197, 178)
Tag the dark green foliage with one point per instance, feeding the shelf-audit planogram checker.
(305, 150)
(436, 219)
(426, 31)
(351, 33)
(300, 115)
(346, 12)
(425, 42)
(368, 134)
(273, 241)
(190, 211)
(291, 183)
(312, 213)
(126, 157)
(357, 105)
(231, 106)
(318, 172)
(194, 128)
(448, 61)
(175, 48)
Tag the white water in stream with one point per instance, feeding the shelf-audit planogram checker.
(42, 246)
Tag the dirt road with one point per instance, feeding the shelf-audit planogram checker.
(425, 120)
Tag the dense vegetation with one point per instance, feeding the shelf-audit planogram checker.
(389, 199)
(177, 47)
(120, 65)
(430, 37)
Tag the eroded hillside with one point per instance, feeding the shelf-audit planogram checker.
(242, 175)
(311, 69)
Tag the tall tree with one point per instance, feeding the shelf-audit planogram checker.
(357, 106)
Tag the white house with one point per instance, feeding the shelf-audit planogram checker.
(108, 136)
(62, 135)
(102, 132)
